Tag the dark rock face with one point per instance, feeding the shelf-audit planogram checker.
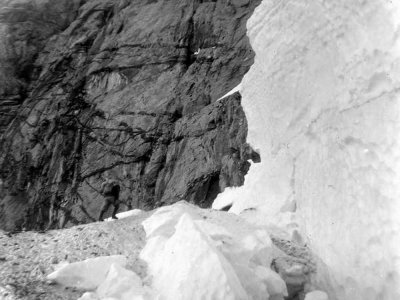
(129, 89)
(25, 28)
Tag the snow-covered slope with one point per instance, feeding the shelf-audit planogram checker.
(322, 103)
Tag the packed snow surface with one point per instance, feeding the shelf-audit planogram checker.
(322, 104)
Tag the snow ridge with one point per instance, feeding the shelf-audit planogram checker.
(322, 105)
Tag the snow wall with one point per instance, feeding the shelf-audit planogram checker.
(322, 103)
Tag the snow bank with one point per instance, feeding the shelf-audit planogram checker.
(322, 104)
(87, 274)
(192, 255)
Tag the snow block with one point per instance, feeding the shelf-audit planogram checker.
(88, 274)
(200, 254)
(122, 284)
(190, 267)
(163, 221)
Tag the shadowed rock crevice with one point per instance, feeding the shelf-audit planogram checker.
(129, 88)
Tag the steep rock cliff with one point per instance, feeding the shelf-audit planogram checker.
(130, 88)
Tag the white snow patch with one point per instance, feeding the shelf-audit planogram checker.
(87, 274)
(126, 214)
(227, 199)
(316, 295)
(104, 278)
(237, 88)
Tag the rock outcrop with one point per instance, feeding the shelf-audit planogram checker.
(125, 87)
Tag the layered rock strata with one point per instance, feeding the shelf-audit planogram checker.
(124, 87)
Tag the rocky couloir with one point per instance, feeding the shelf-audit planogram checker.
(125, 87)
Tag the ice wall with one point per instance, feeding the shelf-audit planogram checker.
(322, 103)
